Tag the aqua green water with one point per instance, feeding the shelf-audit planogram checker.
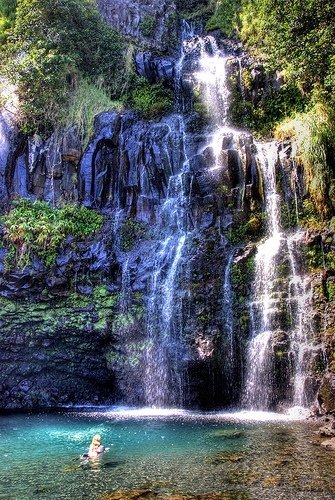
(183, 453)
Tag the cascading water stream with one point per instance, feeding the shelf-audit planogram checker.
(187, 33)
(227, 310)
(162, 378)
(258, 387)
(275, 297)
(300, 297)
(164, 372)
(212, 77)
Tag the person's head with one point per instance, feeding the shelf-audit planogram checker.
(96, 440)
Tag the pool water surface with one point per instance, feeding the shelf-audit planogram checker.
(168, 452)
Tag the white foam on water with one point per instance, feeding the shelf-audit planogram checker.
(292, 414)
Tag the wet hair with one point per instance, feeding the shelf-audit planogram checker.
(96, 440)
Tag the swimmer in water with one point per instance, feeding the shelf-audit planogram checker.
(95, 447)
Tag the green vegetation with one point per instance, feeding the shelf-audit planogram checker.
(131, 232)
(68, 65)
(35, 228)
(56, 314)
(147, 26)
(150, 100)
(52, 45)
(242, 276)
(293, 36)
(7, 17)
(224, 16)
(314, 133)
(249, 230)
(297, 39)
(85, 102)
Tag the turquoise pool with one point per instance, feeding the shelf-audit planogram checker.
(168, 452)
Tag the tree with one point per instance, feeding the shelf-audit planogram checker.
(296, 37)
(52, 44)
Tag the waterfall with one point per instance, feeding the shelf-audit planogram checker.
(187, 34)
(162, 378)
(227, 310)
(258, 388)
(125, 290)
(300, 297)
(224, 166)
(276, 295)
(212, 78)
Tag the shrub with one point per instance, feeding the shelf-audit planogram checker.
(224, 17)
(314, 135)
(86, 101)
(35, 228)
(150, 100)
(7, 17)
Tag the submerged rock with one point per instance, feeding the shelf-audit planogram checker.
(329, 443)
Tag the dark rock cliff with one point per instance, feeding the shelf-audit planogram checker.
(152, 24)
(86, 330)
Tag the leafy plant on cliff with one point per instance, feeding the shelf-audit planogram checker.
(85, 102)
(292, 36)
(297, 39)
(7, 17)
(150, 100)
(314, 134)
(35, 228)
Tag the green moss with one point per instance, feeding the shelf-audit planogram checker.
(330, 290)
(252, 229)
(170, 36)
(288, 216)
(74, 313)
(242, 274)
(127, 319)
(314, 257)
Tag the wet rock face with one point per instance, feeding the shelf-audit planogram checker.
(43, 169)
(49, 356)
(125, 172)
(128, 163)
(326, 394)
(154, 68)
(152, 24)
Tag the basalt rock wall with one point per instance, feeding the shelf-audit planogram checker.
(152, 24)
(77, 332)
(90, 308)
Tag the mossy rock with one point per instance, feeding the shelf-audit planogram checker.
(227, 434)
(226, 456)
